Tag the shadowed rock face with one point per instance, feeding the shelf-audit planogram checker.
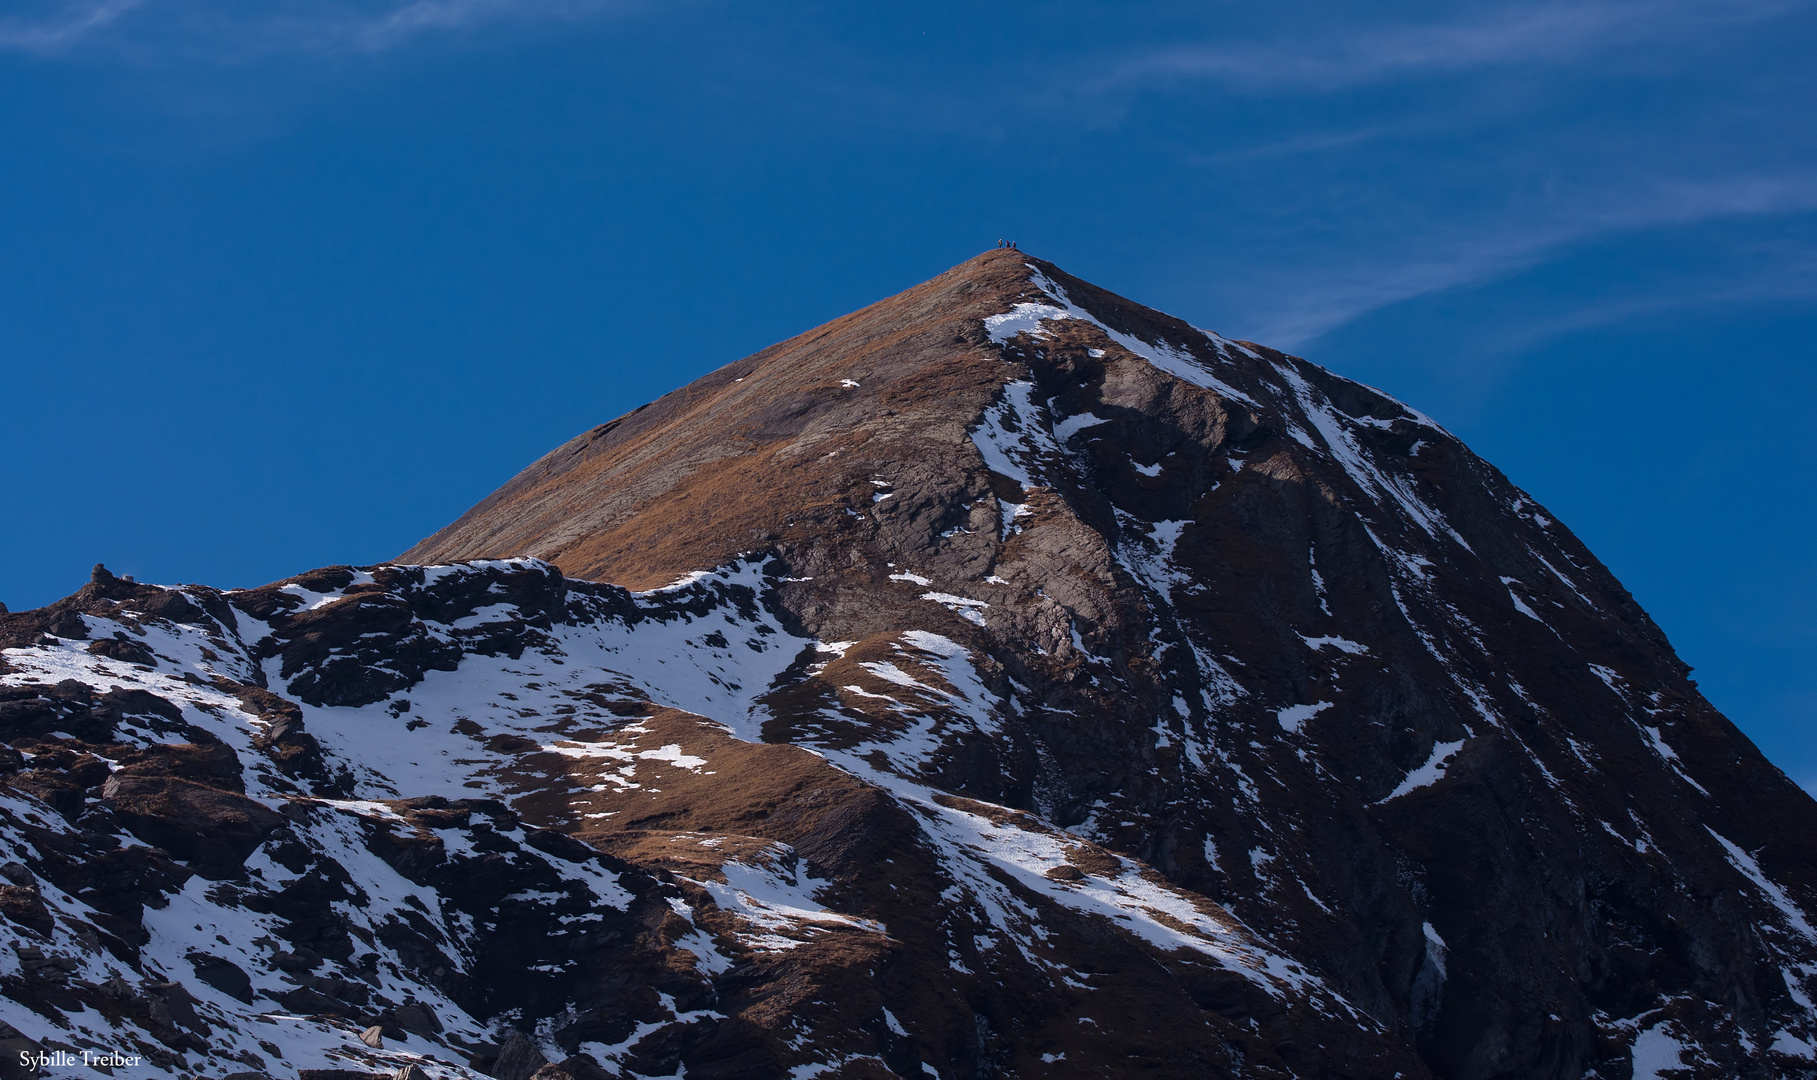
(1049, 688)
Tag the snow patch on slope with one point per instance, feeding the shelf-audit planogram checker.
(1429, 773)
(1294, 717)
(778, 897)
(1656, 1053)
(1025, 318)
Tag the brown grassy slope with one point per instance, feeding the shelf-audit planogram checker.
(775, 441)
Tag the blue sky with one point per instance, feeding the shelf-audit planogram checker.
(291, 284)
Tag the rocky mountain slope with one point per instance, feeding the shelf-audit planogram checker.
(1005, 680)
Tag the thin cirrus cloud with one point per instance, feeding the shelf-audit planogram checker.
(1382, 250)
(1624, 182)
(56, 30)
(230, 31)
(1521, 35)
(1325, 302)
(409, 20)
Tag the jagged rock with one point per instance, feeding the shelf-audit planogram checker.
(224, 975)
(15, 1049)
(417, 1018)
(25, 907)
(123, 649)
(210, 829)
(172, 1018)
(518, 1058)
(578, 1067)
(69, 625)
(173, 605)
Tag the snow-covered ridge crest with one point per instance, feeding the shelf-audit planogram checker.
(1330, 422)
(1029, 317)
(1296, 403)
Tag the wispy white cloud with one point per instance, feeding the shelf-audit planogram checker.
(1315, 142)
(1516, 35)
(1794, 279)
(226, 30)
(419, 16)
(1351, 236)
(56, 30)
(427, 16)
(1323, 301)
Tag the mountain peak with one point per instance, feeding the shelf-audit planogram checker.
(1217, 568)
(711, 469)
(1005, 679)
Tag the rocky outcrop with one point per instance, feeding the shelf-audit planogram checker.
(1025, 683)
